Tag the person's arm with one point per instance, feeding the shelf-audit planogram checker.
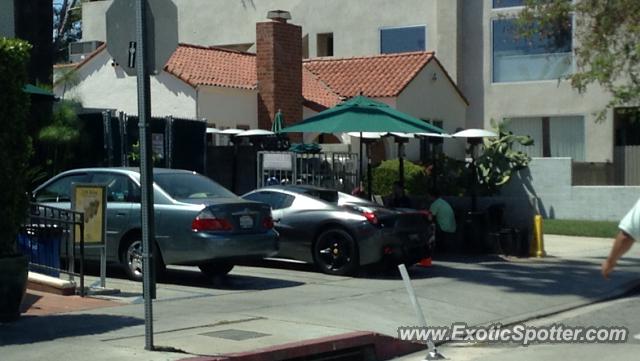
(621, 245)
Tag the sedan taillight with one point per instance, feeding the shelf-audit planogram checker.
(267, 222)
(205, 221)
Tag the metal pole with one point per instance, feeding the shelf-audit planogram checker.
(82, 293)
(401, 162)
(360, 169)
(433, 351)
(369, 180)
(146, 170)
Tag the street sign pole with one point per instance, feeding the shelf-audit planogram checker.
(146, 167)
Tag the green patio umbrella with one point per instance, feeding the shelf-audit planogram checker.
(362, 114)
(276, 127)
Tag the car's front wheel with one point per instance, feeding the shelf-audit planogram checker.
(131, 259)
(336, 252)
(214, 269)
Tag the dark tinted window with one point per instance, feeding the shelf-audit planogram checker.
(401, 40)
(274, 199)
(507, 3)
(546, 55)
(120, 188)
(190, 186)
(325, 195)
(60, 190)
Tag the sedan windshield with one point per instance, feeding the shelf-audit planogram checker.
(191, 186)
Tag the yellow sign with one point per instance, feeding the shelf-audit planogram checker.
(90, 199)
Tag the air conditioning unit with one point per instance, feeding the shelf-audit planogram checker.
(79, 50)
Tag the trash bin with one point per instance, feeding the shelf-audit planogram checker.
(42, 245)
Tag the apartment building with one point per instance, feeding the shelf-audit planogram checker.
(503, 77)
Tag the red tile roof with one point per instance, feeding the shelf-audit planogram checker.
(325, 82)
(316, 93)
(373, 76)
(197, 65)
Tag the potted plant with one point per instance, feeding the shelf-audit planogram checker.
(16, 150)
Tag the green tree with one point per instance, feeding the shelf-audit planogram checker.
(61, 135)
(499, 161)
(606, 42)
(67, 26)
(14, 141)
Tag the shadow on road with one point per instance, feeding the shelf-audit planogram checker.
(195, 278)
(544, 276)
(31, 329)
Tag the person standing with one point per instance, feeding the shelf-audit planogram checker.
(445, 219)
(629, 231)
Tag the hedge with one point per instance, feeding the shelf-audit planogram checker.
(14, 141)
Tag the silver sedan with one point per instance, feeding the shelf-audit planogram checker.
(197, 221)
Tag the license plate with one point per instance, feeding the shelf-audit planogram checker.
(245, 222)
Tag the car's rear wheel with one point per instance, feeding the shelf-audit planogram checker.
(131, 259)
(336, 252)
(214, 269)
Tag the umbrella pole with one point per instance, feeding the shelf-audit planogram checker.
(401, 166)
(434, 172)
(360, 169)
(369, 180)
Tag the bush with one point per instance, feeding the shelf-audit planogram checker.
(415, 179)
(14, 141)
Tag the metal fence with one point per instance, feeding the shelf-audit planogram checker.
(337, 171)
(627, 165)
(49, 236)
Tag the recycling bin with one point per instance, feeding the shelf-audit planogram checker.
(41, 244)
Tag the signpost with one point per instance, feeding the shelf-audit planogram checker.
(91, 200)
(143, 42)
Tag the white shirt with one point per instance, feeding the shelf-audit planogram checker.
(630, 224)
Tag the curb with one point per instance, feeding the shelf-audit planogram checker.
(44, 283)
(372, 346)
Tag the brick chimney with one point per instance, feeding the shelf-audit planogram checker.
(279, 68)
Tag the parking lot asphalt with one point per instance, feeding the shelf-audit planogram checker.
(262, 308)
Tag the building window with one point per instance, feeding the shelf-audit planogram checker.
(497, 4)
(627, 126)
(561, 136)
(402, 40)
(325, 44)
(541, 57)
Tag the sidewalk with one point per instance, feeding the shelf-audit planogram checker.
(262, 308)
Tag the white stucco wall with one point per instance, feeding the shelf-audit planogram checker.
(94, 22)
(228, 107)
(425, 98)
(7, 23)
(547, 182)
(100, 85)
(355, 24)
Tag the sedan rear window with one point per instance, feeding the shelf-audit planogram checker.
(191, 186)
